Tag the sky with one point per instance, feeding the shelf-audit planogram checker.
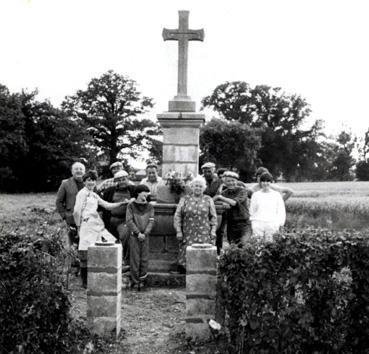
(315, 48)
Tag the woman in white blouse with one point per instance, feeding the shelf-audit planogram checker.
(90, 226)
(267, 210)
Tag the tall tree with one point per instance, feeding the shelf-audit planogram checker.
(285, 144)
(38, 143)
(110, 107)
(230, 144)
(343, 160)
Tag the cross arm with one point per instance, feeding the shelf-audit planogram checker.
(175, 35)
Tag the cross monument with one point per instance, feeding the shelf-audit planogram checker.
(183, 34)
(181, 124)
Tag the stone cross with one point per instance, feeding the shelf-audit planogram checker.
(183, 34)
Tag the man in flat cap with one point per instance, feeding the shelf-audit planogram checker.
(212, 181)
(236, 200)
(114, 168)
(115, 220)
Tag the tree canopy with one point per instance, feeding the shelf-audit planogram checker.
(38, 143)
(286, 146)
(110, 107)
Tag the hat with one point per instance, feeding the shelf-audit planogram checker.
(231, 174)
(116, 164)
(120, 174)
(260, 171)
(208, 165)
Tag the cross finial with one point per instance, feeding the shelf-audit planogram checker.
(183, 34)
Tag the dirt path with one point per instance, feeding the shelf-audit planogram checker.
(152, 320)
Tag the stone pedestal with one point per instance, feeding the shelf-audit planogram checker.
(104, 287)
(181, 132)
(201, 280)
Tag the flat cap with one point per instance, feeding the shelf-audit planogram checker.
(208, 165)
(116, 164)
(120, 174)
(231, 174)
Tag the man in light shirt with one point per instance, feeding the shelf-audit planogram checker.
(152, 180)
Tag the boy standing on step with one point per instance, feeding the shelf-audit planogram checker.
(140, 221)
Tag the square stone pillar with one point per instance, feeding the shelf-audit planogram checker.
(201, 281)
(181, 135)
(104, 289)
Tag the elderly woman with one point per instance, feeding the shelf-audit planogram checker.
(195, 220)
(90, 226)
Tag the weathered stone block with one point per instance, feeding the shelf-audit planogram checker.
(104, 305)
(195, 307)
(201, 284)
(183, 168)
(177, 153)
(201, 258)
(198, 327)
(184, 135)
(102, 257)
(104, 282)
(104, 326)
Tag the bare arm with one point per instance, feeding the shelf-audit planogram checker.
(285, 191)
(107, 205)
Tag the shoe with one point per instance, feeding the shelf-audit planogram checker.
(143, 277)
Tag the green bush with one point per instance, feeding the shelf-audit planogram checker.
(308, 292)
(34, 306)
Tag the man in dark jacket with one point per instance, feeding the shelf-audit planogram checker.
(66, 198)
(115, 220)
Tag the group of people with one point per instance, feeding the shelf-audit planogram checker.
(114, 211)
(117, 209)
(256, 211)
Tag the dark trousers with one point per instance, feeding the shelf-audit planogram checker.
(238, 232)
(119, 229)
(139, 257)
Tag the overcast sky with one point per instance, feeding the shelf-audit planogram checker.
(316, 48)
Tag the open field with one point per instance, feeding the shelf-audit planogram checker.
(326, 204)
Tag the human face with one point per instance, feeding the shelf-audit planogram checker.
(265, 185)
(152, 174)
(198, 189)
(230, 182)
(115, 169)
(90, 183)
(122, 181)
(78, 170)
(142, 197)
(208, 173)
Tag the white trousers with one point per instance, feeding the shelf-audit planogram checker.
(264, 230)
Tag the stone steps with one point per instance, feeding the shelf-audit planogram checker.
(159, 279)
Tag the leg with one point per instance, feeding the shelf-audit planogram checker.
(134, 259)
(144, 264)
(257, 230)
(83, 265)
(246, 234)
(124, 236)
(220, 233)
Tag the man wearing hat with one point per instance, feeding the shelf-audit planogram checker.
(285, 191)
(115, 220)
(114, 168)
(212, 181)
(236, 200)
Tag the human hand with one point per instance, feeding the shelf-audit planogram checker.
(141, 237)
(179, 236)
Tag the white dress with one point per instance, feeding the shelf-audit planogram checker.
(91, 227)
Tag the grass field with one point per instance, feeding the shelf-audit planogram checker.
(326, 204)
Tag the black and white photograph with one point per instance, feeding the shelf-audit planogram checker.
(184, 177)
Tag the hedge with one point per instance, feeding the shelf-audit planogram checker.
(34, 306)
(307, 292)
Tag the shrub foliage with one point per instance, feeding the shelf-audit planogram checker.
(308, 292)
(34, 307)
